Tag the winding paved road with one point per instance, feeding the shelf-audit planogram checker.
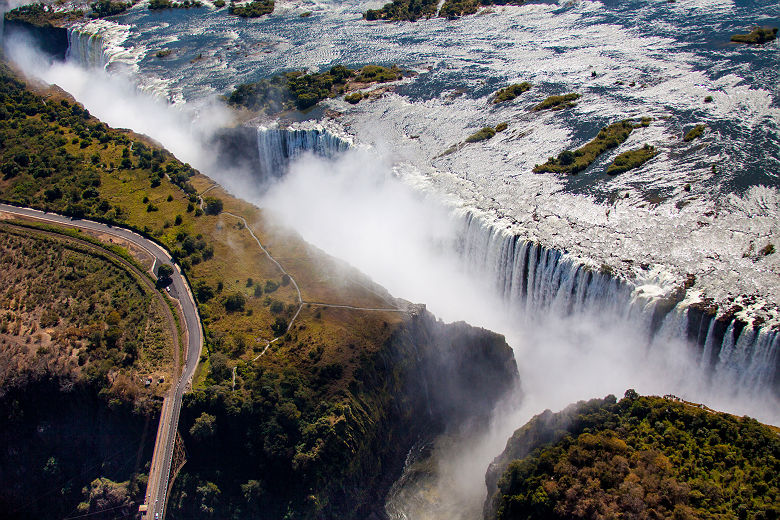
(157, 488)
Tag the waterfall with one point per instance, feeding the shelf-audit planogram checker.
(533, 279)
(277, 146)
(86, 49)
(100, 44)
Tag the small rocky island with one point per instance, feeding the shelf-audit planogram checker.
(757, 36)
(302, 91)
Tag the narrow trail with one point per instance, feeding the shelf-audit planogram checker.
(301, 302)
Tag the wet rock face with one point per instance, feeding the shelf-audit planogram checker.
(460, 371)
(51, 40)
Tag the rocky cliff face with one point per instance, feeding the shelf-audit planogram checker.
(283, 450)
(60, 435)
(51, 40)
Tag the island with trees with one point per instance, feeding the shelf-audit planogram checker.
(511, 92)
(253, 9)
(575, 161)
(757, 36)
(558, 102)
(412, 10)
(302, 91)
(631, 159)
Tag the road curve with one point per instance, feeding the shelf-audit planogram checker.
(157, 488)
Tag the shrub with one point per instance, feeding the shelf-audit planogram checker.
(235, 302)
(353, 98)
(212, 206)
(511, 92)
(694, 133)
(558, 102)
(631, 159)
(482, 135)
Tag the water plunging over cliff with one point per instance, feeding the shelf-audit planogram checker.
(86, 49)
(277, 146)
(533, 279)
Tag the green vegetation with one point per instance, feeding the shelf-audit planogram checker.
(500, 127)
(575, 161)
(103, 8)
(481, 135)
(305, 14)
(641, 457)
(253, 9)
(328, 389)
(767, 250)
(457, 8)
(694, 133)
(156, 5)
(163, 53)
(72, 297)
(212, 206)
(219, 4)
(412, 10)
(708, 99)
(511, 92)
(757, 36)
(558, 102)
(80, 334)
(403, 10)
(631, 159)
(40, 15)
(354, 98)
(302, 91)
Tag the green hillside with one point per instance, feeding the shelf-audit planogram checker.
(640, 457)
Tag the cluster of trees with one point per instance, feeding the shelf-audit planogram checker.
(575, 161)
(189, 250)
(646, 457)
(73, 151)
(302, 91)
(156, 5)
(511, 92)
(41, 15)
(412, 10)
(632, 159)
(103, 8)
(292, 443)
(404, 10)
(253, 9)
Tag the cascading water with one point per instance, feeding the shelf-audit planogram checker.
(533, 279)
(277, 146)
(86, 49)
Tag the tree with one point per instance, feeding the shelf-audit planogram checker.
(203, 292)
(164, 273)
(235, 302)
(279, 326)
(204, 427)
(212, 206)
